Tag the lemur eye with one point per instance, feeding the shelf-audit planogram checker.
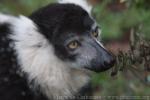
(95, 34)
(73, 45)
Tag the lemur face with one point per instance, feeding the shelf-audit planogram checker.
(74, 36)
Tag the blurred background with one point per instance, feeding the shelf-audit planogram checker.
(116, 18)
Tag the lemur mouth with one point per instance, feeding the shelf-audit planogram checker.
(103, 67)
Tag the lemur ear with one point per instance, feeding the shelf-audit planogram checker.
(83, 3)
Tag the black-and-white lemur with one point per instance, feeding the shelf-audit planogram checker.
(49, 54)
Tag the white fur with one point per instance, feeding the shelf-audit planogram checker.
(83, 3)
(5, 18)
(37, 59)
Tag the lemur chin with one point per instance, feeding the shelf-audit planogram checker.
(48, 55)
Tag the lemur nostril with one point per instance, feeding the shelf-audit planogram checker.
(110, 62)
(113, 62)
(106, 63)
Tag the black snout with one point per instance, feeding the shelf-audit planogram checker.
(103, 61)
(107, 61)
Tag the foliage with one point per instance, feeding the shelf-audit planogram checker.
(132, 68)
(24, 7)
(136, 59)
(127, 14)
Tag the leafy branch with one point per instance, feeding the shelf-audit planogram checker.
(137, 59)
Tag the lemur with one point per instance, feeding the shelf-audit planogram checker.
(50, 54)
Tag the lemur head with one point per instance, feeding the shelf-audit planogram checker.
(74, 36)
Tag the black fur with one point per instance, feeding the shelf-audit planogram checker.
(56, 21)
(13, 86)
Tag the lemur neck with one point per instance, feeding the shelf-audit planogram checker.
(67, 86)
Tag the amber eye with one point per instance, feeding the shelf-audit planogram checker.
(95, 34)
(73, 45)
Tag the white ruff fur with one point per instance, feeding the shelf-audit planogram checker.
(37, 59)
(5, 18)
(83, 3)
